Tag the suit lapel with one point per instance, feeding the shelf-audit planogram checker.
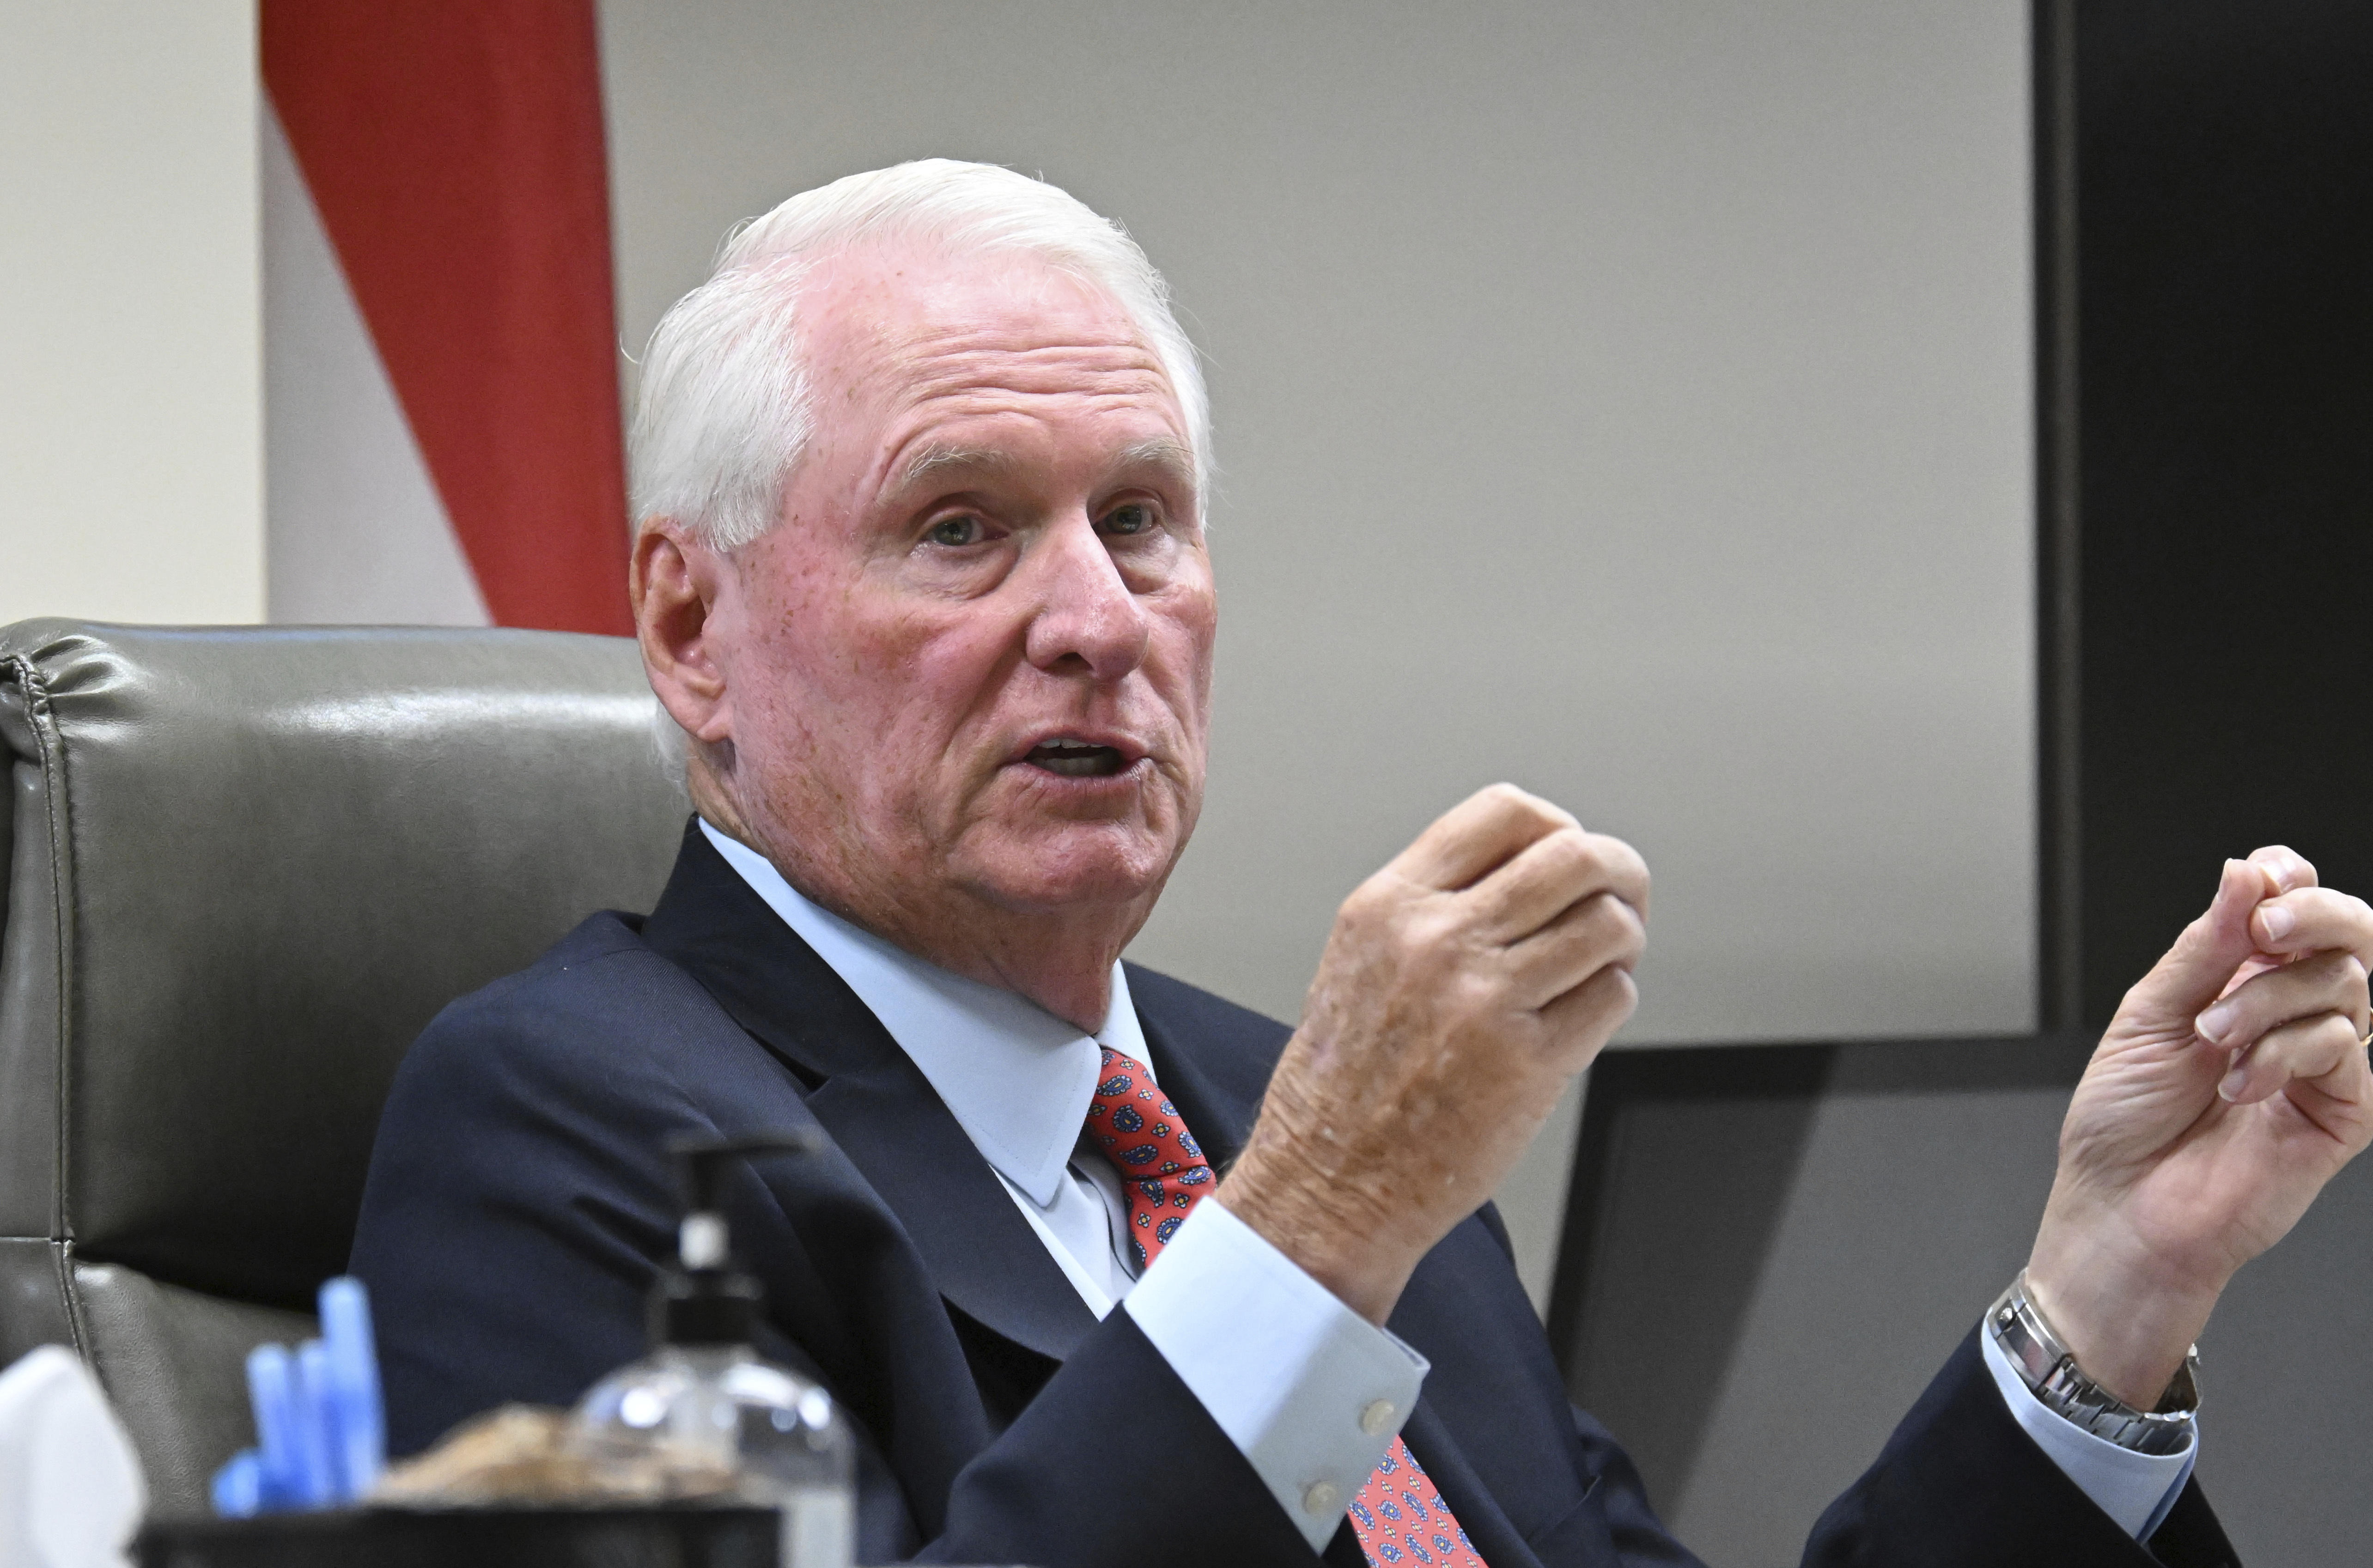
(873, 1099)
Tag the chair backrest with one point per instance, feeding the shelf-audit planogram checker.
(245, 868)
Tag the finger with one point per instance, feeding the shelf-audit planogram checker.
(1469, 840)
(2309, 1050)
(1580, 1023)
(2195, 969)
(2314, 919)
(1549, 876)
(1588, 936)
(2289, 869)
(2321, 983)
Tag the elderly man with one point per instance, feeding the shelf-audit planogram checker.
(1103, 1268)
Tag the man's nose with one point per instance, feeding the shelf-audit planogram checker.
(1086, 619)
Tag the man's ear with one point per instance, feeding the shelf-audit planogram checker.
(673, 584)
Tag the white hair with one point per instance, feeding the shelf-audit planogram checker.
(724, 408)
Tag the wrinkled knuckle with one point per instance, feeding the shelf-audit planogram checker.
(1608, 918)
(1372, 902)
(1471, 996)
(1576, 853)
(1423, 949)
(1606, 1001)
(1632, 931)
(1531, 808)
(1504, 796)
(1426, 929)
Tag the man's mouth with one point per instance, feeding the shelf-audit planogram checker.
(1075, 759)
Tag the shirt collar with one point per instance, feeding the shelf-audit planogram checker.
(1018, 1078)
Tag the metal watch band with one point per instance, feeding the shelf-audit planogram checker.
(2051, 1373)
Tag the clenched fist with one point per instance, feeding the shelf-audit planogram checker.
(1462, 986)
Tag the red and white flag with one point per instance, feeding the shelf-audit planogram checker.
(441, 406)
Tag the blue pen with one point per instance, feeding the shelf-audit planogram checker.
(317, 1466)
(238, 1486)
(272, 1389)
(358, 1418)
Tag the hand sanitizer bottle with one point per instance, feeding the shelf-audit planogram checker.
(703, 1401)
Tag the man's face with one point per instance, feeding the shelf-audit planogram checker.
(972, 664)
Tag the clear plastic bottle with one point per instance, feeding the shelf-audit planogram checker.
(704, 1404)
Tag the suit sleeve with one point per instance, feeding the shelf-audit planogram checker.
(1960, 1483)
(498, 1188)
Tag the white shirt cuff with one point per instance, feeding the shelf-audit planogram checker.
(2137, 1490)
(1308, 1390)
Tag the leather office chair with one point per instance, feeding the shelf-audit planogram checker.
(245, 868)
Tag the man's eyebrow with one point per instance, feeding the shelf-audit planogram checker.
(1160, 451)
(934, 461)
(1155, 451)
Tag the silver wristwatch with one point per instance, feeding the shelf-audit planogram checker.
(2048, 1369)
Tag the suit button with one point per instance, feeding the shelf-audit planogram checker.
(1322, 1498)
(1377, 1418)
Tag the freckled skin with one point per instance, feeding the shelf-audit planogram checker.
(863, 681)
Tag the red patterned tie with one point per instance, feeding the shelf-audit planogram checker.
(1400, 1517)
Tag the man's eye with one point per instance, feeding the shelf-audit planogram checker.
(957, 532)
(1134, 518)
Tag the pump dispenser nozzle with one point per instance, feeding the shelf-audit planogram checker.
(705, 1300)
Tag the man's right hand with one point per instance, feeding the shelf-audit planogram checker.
(1462, 986)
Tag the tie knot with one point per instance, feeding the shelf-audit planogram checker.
(1162, 1170)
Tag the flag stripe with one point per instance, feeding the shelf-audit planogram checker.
(454, 150)
(353, 529)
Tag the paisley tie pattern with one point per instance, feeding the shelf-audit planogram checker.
(1400, 1517)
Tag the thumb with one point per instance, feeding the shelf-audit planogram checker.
(2196, 969)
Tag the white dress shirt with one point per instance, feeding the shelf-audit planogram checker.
(1310, 1392)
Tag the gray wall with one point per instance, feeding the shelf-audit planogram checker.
(1627, 399)
(131, 418)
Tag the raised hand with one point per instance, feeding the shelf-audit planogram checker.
(2230, 1087)
(1461, 987)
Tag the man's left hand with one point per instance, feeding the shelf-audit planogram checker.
(2230, 1087)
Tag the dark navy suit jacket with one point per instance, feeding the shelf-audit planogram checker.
(519, 1196)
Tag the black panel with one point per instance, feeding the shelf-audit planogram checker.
(2224, 323)
(2059, 925)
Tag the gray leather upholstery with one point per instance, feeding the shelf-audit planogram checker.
(245, 868)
